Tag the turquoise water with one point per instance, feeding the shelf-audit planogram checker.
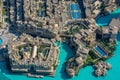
(104, 21)
(84, 74)
(1, 41)
(65, 53)
(118, 37)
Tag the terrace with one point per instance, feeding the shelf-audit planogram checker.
(44, 49)
(24, 51)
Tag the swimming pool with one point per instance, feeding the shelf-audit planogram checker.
(75, 11)
(104, 21)
(100, 51)
(1, 41)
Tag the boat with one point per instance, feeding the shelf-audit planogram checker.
(35, 76)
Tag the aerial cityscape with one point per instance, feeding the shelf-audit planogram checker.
(59, 39)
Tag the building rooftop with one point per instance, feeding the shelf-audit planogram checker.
(27, 52)
(115, 22)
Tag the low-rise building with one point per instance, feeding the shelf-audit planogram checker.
(79, 58)
(36, 56)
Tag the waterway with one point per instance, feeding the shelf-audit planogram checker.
(104, 21)
(85, 73)
(1, 41)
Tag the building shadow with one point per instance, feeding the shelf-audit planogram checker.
(69, 53)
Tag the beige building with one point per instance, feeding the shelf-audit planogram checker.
(36, 56)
